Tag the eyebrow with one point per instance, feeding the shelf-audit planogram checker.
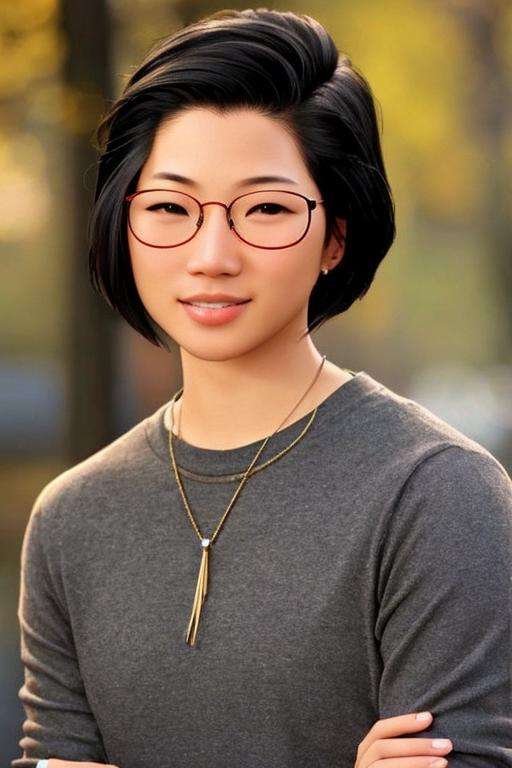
(244, 182)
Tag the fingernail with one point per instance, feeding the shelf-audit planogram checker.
(440, 763)
(441, 743)
(423, 716)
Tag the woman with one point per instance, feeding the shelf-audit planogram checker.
(286, 552)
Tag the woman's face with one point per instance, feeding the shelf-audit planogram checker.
(217, 153)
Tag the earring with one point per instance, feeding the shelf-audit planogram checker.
(324, 271)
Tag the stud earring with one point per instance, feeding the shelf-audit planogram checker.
(324, 270)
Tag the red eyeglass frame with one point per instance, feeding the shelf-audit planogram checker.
(310, 203)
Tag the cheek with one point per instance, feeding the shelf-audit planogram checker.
(291, 274)
(150, 266)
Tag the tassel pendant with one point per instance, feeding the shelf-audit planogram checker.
(201, 590)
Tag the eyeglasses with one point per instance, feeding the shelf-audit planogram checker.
(272, 218)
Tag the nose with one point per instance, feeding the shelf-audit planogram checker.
(215, 247)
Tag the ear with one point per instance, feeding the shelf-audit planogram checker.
(335, 248)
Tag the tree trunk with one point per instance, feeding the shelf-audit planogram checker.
(89, 354)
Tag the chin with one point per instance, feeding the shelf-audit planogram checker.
(227, 346)
(216, 351)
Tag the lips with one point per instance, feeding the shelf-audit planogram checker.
(220, 301)
(214, 315)
(213, 303)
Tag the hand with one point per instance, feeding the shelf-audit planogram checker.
(53, 762)
(379, 749)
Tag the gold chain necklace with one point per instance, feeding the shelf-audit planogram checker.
(202, 580)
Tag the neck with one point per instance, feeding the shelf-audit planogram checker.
(230, 403)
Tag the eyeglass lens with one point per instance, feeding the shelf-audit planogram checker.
(266, 218)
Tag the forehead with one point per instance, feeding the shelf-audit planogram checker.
(203, 144)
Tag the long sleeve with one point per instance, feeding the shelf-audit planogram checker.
(444, 605)
(59, 722)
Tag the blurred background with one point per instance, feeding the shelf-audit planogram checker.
(436, 325)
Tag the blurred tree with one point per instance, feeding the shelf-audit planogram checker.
(487, 26)
(86, 73)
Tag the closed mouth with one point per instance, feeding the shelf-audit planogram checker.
(205, 303)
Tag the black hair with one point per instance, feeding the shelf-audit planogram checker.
(286, 66)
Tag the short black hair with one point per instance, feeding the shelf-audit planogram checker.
(286, 66)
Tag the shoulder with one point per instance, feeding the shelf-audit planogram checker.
(405, 435)
(418, 475)
(442, 459)
(113, 471)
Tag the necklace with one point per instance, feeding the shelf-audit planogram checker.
(202, 580)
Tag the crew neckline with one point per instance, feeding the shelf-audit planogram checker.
(218, 464)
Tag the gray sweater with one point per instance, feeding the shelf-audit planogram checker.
(366, 573)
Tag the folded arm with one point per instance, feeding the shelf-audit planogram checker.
(444, 619)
